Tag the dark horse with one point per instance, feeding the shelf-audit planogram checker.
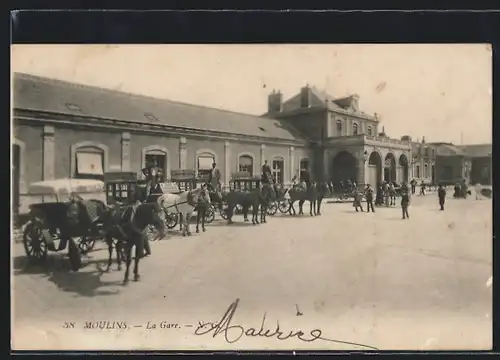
(128, 226)
(257, 199)
(322, 191)
(302, 195)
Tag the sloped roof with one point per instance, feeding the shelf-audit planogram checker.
(448, 150)
(477, 150)
(49, 95)
(321, 99)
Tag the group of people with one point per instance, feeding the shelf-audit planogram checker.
(384, 190)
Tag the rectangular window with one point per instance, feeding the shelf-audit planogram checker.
(339, 128)
(418, 171)
(369, 131)
(205, 165)
(89, 163)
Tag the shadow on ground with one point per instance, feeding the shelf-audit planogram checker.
(56, 269)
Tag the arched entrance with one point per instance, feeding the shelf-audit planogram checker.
(374, 176)
(390, 168)
(16, 177)
(343, 169)
(403, 162)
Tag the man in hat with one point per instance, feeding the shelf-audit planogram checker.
(357, 200)
(214, 178)
(369, 198)
(405, 200)
(266, 173)
(441, 196)
(413, 184)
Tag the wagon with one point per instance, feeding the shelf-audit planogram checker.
(48, 224)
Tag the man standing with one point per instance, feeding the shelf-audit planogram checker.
(357, 200)
(442, 196)
(304, 176)
(214, 177)
(266, 173)
(422, 188)
(369, 198)
(405, 200)
(413, 184)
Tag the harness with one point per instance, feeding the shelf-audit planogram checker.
(189, 201)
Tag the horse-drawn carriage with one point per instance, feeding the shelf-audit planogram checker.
(51, 222)
(245, 191)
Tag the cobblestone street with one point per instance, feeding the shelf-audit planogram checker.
(368, 278)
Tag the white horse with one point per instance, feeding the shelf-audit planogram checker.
(185, 204)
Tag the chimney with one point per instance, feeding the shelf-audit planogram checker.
(423, 139)
(275, 102)
(305, 97)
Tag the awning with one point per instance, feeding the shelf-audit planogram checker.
(89, 163)
(205, 162)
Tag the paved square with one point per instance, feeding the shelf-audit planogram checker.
(373, 279)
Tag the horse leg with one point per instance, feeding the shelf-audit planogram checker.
(198, 214)
(138, 255)
(109, 242)
(319, 206)
(203, 219)
(119, 247)
(128, 248)
(181, 220)
(291, 208)
(229, 213)
(301, 207)
(312, 204)
(186, 225)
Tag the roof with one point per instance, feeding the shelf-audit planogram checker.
(321, 99)
(477, 150)
(50, 95)
(66, 186)
(448, 150)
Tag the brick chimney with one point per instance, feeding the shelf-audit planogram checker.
(305, 97)
(275, 102)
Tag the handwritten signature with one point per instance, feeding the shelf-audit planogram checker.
(233, 332)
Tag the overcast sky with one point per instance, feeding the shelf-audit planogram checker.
(436, 91)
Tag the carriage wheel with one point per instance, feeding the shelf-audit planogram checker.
(34, 243)
(284, 206)
(86, 244)
(210, 214)
(172, 219)
(75, 258)
(272, 208)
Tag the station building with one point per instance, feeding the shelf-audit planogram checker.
(63, 129)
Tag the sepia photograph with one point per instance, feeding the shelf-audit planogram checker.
(251, 197)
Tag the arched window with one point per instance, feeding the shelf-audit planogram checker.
(417, 168)
(339, 127)
(89, 160)
(369, 131)
(355, 129)
(426, 171)
(278, 167)
(304, 164)
(245, 163)
(204, 161)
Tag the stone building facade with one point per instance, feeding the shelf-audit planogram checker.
(61, 129)
(345, 141)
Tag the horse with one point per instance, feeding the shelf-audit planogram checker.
(201, 209)
(128, 226)
(258, 198)
(323, 190)
(184, 204)
(301, 194)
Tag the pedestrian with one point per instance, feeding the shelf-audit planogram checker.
(357, 200)
(442, 196)
(413, 184)
(422, 188)
(369, 198)
(405, 200)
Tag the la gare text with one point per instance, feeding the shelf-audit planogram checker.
(120, 325)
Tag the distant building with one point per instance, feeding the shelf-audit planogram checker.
(345, 141)
(480, 155)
